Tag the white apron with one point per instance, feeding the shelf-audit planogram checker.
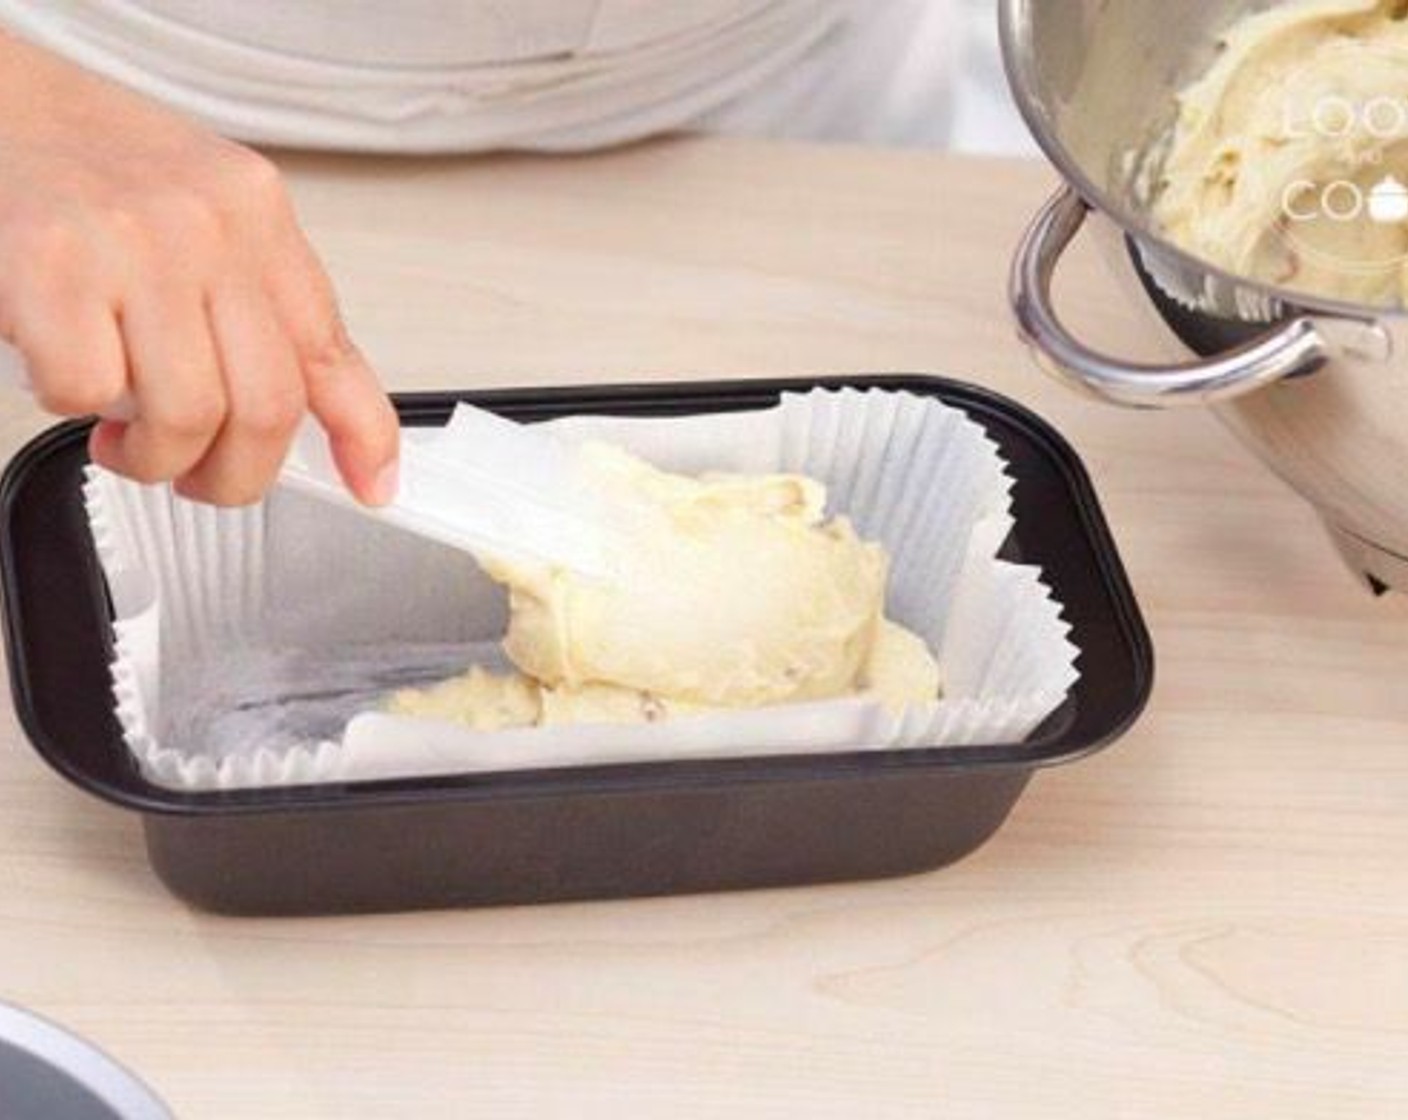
(466, 75)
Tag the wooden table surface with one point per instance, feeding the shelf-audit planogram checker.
(1210, 919)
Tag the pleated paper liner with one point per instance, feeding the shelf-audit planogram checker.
(254, 647)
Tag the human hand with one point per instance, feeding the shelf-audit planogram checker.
(146, 260)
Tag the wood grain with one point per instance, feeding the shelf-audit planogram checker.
(1210, 919)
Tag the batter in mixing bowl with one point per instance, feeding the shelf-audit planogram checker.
(1288, 163)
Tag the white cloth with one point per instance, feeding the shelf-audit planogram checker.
(465, 75)
(986, 119)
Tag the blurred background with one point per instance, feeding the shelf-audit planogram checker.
(909, 73)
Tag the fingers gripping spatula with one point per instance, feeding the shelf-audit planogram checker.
(488, 485)
(483, 483)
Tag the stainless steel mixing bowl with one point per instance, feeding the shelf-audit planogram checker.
(1317, 388)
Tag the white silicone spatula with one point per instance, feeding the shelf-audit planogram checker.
(487, 485)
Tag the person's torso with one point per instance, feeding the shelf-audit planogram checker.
(456, 75)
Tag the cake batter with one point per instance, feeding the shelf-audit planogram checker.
(740, 594)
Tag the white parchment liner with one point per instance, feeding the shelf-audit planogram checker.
(253, 646)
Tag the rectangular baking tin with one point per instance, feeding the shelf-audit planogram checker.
(598, 832)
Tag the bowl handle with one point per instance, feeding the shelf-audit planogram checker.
(1294, 347)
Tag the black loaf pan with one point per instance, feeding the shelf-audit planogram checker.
(600, 832)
